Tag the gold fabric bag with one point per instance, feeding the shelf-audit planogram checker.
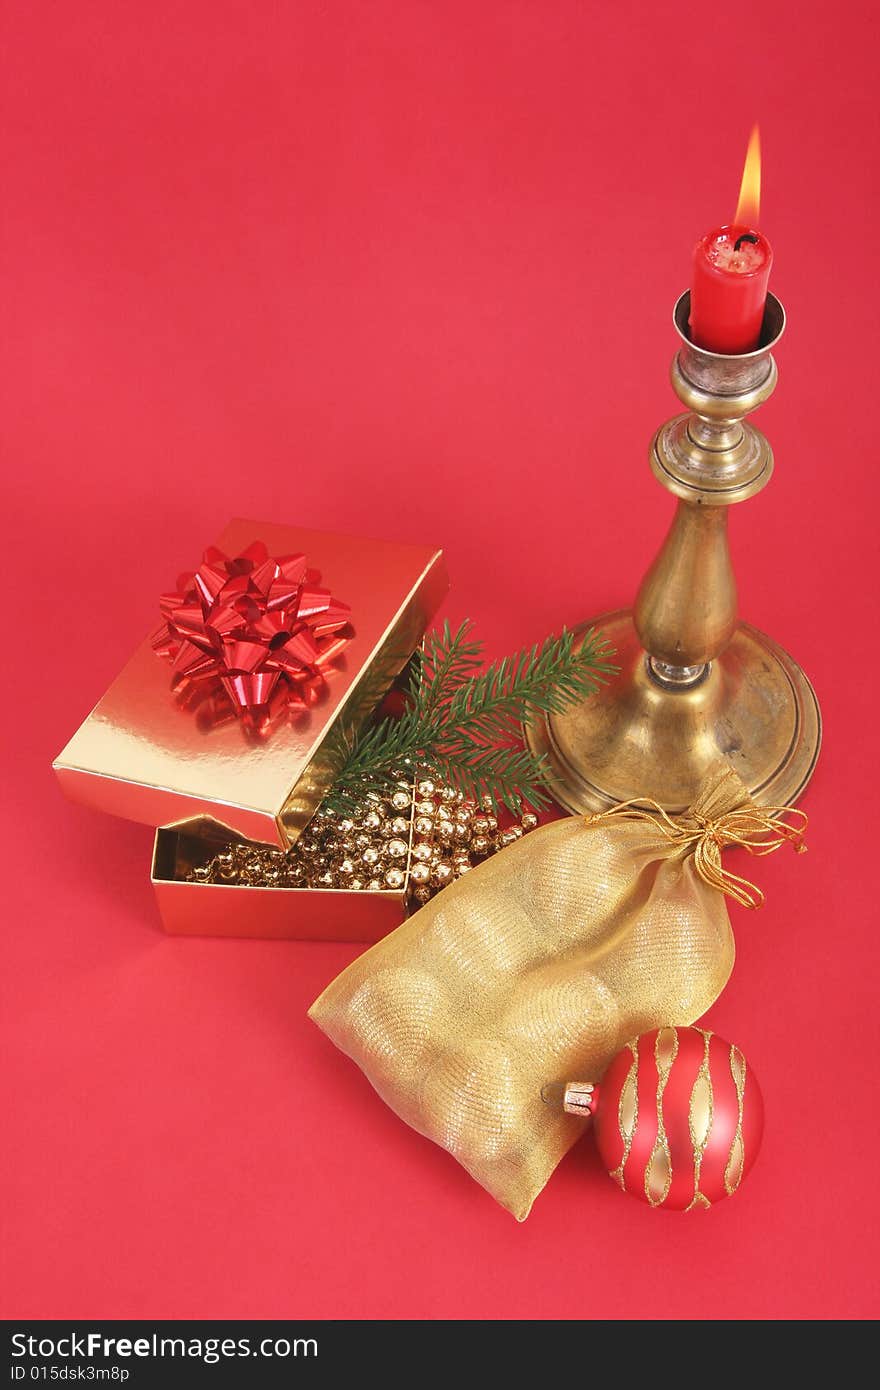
(537, 967)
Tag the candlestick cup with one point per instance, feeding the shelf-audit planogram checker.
(694, 683)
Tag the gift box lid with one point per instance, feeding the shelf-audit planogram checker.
(146, 754)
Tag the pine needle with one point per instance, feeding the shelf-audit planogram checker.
(462, 725)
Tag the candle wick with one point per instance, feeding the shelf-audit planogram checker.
(746, 236)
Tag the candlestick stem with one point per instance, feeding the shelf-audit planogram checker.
(685, 611)
(695, 684)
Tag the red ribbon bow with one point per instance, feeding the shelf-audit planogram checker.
(260, 626)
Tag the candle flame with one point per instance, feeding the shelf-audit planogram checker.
(749, 206)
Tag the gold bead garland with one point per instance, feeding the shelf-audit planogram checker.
(370, 851)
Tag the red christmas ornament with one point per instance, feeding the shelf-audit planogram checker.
(678, 1117)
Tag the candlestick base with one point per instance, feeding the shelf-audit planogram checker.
(640, 736)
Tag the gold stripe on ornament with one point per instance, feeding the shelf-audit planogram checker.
(736, 1159)
(658, 1174)
(700, 1113)
(627, 1111)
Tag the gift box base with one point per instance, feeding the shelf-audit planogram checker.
(294, 914)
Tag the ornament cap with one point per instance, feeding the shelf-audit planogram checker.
(574, 1097)
(580, 1098)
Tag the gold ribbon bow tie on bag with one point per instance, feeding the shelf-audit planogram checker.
(759, 830)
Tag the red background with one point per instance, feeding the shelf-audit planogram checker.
(408, 269)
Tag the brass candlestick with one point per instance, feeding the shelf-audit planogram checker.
(694, 683)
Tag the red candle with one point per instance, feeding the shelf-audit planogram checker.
(731, 270)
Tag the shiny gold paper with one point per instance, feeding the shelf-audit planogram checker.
(537, 967)
(142, 756)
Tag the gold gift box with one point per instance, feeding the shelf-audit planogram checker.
(140, 755)
(190, 908)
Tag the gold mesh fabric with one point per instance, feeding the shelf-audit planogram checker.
(536, 967)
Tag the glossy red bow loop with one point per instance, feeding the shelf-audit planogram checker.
(261, 626)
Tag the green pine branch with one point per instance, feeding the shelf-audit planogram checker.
(446, 661)
(462, 725)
